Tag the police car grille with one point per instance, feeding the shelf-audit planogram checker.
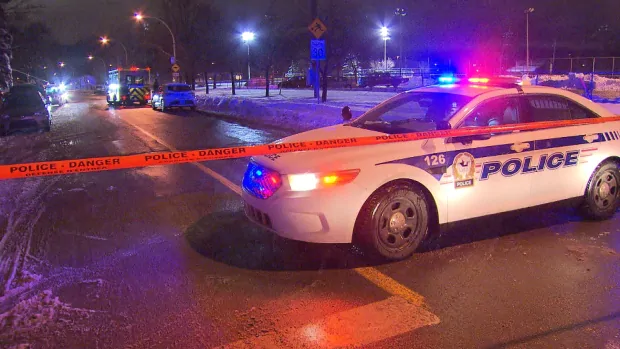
(257, 215)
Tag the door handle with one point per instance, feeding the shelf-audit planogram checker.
(519, 147)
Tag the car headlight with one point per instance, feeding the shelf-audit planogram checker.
(65, 95)
(312, 181)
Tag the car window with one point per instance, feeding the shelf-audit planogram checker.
(179, 88)
(554, 108)
(410, 112)
(23, 99)
(499, 111)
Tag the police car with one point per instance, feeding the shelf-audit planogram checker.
(174, 95)
(389, 196)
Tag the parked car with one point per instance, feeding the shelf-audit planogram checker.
(381, 79)
(175, 95)
(391, 197)
(100, 90)
(24, 108)
(293, 82)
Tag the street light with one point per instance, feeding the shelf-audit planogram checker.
(105, 40)
(247, 37)
(385, 35)
(527, 38)
(401, 12)
(139, 17)
(91, 57)
(61, 64)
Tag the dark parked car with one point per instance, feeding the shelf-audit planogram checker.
(293, 82)
(24, 108)
(381, 79)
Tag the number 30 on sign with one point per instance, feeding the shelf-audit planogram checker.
(317, 50)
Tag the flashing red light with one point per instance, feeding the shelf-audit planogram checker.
(124, 97)
(479, 80)
(134, 68)
(147, 97)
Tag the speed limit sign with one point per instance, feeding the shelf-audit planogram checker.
(317, 50)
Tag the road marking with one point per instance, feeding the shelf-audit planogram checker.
(354, 327)
(230, 185)
(342, 327)
(390, 285)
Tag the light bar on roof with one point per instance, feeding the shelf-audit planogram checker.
(479, 80)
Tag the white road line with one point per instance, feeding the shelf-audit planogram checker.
(230, 185)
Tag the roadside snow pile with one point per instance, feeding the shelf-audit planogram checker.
(294, 110)
(577, 80)
(31, 313)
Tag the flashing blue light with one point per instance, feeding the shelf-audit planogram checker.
(447, 79)
(261, 181)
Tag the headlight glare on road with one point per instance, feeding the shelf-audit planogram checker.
(311, 181)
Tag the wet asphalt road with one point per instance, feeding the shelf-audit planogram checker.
(162, 257)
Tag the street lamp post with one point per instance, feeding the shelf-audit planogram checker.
(401, 12)
(385, 35)
(105, 66)
(247, 37)
(105, 40)
(527, 38)
(139, 17)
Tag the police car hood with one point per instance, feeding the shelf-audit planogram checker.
(325, 159)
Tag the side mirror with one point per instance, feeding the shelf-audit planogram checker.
(469, 139)
(346, 113)
(443, 125)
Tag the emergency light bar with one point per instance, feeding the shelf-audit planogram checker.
(499, 81)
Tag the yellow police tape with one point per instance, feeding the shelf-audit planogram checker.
(63, 167)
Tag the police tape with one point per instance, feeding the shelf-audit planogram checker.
(64, 167)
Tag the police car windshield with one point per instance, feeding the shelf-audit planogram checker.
(411, 112)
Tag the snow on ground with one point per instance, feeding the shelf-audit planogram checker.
(294, 109)
(297, 109)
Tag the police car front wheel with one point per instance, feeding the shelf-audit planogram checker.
(394, 221)
(602, 193)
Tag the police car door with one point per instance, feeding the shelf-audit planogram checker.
(486, 176)
(565, 157)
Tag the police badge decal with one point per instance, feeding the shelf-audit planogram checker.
(463, 170)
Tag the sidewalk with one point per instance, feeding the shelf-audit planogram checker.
(297, 109)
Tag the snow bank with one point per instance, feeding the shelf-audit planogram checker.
(576, 80)
(297, 110)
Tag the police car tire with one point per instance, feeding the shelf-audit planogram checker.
(590, 208)
(367, 231)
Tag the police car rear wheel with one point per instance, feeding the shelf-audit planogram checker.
(602, 194)
(394, 221)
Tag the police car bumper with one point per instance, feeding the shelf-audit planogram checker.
(319, 216)
(180, 103)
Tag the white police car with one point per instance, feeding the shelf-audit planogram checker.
(174, 95)
(389, 196)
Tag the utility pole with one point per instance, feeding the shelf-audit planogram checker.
(314, 10)
(527, 38)
(400, 12)
(553, 57)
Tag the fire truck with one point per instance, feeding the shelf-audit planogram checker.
(129, 86)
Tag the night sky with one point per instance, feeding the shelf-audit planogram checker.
(431, 24)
